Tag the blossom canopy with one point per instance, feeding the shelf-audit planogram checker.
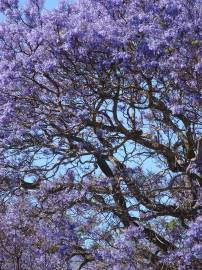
(101, 135)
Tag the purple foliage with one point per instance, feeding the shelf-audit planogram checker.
(101, 135)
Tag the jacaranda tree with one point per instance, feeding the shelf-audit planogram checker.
(101, 135)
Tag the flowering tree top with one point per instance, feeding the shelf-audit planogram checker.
(101, 134)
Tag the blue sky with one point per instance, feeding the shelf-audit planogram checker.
(49, 4)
